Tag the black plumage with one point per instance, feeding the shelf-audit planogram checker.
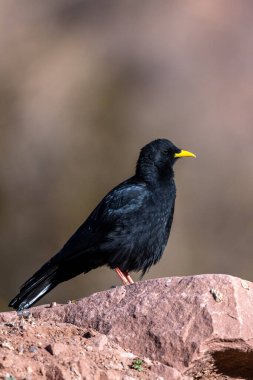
(127, 231)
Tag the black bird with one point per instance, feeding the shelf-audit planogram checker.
(127, 231)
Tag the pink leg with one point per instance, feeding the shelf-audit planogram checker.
(123, 278)
(129, 278)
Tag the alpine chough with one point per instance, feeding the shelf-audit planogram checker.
(127, 231)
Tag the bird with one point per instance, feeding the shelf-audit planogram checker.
(127, 231)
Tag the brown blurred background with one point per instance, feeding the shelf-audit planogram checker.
(83, 86)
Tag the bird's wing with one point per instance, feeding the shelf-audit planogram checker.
(126, 199)
(116, 208)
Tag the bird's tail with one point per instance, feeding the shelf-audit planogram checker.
(36, 287)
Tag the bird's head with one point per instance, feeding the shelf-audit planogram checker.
(157, 158)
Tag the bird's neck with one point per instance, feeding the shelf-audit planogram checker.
(151, 175)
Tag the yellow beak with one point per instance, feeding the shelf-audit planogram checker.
(184, 153)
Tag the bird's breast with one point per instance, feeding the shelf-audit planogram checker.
(139, 239)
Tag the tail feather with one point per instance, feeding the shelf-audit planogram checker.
(44, 280)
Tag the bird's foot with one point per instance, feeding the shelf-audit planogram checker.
(129, 278)
(124, 276)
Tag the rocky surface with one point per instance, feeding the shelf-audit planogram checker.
(198, 327)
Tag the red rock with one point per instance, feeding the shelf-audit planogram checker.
(193, 326)
(55, 373)
(100, 341)
(90, 372)
(167, 372)
(56, 348)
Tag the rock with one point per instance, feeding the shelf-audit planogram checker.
(88, 335)
(90, 372)
(128, 355)
(189, 327)
(32, 349)
(56, 348)
(54, 372)
(6, 344)
(167, 372)
(100, 341)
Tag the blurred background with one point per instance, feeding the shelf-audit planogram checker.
(83, 86)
